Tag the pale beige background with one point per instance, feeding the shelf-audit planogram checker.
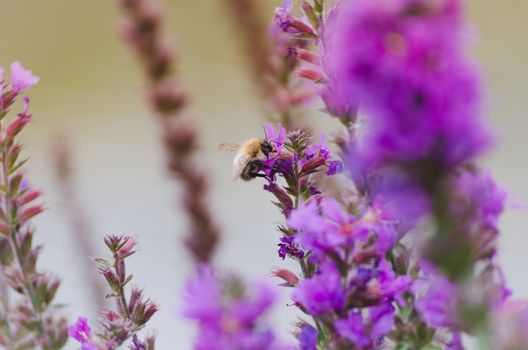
(92, 90)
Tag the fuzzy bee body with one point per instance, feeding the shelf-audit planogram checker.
(248, 160)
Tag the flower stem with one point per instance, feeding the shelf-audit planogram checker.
(14, 229)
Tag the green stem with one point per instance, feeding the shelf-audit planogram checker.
(30, 292)
(122, 298)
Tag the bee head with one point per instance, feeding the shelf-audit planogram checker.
(267, 148)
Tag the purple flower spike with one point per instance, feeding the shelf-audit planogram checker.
(409, 72)
(21, 78)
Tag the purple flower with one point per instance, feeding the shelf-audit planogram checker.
(436, 299)
(206, 288)
(276, 138)
(21, 78)
(307, 337)
(227, 317)
(402, 61)
(89, 346)
(509, 326)
(283, 15)
(321, 293)
(482, 196)
(334, 93)
(80, 330)
(288, 247)
(334, 167)
(138, 345)
(392, 286)
(367, 332)
(325, 227)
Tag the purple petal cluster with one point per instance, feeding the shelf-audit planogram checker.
(227, 317)
(352, 278)
(367, 332)
(402, 61)
(82, 332)
(288, 247)
(437, 300)
(326, 228)
(21, 80)
(307, 337)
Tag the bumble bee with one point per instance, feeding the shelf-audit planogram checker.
(248, 160)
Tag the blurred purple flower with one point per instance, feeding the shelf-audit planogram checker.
(82, 332)
(227, 319)
(436, 299)
(482, 195)
(402, 61)
(283, 15)
(307, 337)
(21, 78)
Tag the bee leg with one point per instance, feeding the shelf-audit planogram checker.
(259, 164)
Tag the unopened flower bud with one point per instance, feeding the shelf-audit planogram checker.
(31, 212)
(310, 74)
(29, 197)
(289, 277)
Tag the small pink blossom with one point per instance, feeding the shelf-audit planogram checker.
(21, 78)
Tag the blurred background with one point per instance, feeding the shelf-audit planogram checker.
(92, 90)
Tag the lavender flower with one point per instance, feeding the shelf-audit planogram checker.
(307, 337)
(322, 293)
(367, 332)
(228, 318)
(439, 305)
(21, 78)
(407, 69)
(287, 247)
(82, 332)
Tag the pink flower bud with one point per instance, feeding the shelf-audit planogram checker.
(307, 56)
(310, 74)
(128, 247)
(29, 197)
(289, 277)
(31, 212)
(4, 228)
(302, 27)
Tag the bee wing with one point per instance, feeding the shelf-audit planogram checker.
(239, 163)
(229, 147)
